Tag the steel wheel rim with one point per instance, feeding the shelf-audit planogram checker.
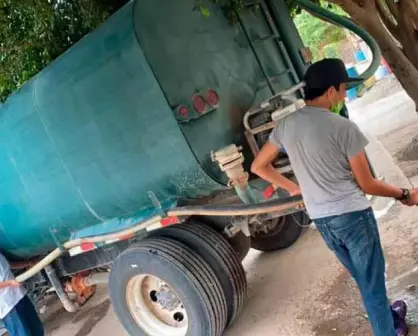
(149, 313)
(278, 225)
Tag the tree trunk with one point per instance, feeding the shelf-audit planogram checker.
(403, 64)
(408, 22)
(402, 67)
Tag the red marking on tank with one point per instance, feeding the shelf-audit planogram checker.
(199, 104)
(183, 111)
(87, 247)
(169, 221)
(212, 98)
(268, 192)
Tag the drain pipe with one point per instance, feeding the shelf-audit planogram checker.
(69, 305)
(96, 279)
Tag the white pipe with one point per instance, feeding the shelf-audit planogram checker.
(186, 211)
(55, 254)
(265, 103)
(40, 265)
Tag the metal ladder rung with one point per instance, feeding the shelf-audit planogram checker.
(266, 38)
(252, 3)
(280, 74)
(282, 162)
(275, 78)
(285, 169)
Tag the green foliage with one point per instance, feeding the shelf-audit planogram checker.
(35, 32)
(331, 50)
(295, 9)
(322, 38)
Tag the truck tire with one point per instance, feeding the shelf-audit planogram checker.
(220, 256)
(162, 287)
(281, 234)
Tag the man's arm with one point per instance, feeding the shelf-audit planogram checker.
(364, 178)
(262, 166)
(9, 283)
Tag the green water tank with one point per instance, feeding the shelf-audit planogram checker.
(90, 136)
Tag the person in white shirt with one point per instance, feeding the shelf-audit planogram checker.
(16, 309)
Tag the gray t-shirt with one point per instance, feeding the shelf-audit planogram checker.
(319, 144)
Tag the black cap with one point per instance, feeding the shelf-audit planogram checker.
(326, 73)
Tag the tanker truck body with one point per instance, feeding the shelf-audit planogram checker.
(88, 138)
(129, 154)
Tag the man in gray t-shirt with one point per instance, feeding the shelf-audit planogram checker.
(327, 154)
(319, 145)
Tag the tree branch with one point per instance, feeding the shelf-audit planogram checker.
(351, 7)
(387, 20)
(394, 8)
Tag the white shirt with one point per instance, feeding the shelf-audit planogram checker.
(10, 296)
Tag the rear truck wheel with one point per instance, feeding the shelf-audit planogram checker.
(162, 287)
(279, 233)
(219, 255)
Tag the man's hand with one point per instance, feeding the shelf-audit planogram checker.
(262, 166)
(295, 192)
(9, 283)
(365, 180)
(270, 190)
(413, 198)
(13, 283)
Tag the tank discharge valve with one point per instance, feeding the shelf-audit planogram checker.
(230, 160)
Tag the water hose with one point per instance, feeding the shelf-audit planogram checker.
(205, 210)
(239, 209)
(55, 254)
(345, 22)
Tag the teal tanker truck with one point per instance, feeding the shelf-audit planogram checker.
(126, 161)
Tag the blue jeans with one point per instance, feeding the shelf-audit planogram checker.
(23, 320)
(354, 238)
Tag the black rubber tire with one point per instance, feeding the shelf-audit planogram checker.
(184, 271)
(284, 237)
(241, 244)
(221, 257)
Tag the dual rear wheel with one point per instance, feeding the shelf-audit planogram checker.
(184, 280)
(187, 279)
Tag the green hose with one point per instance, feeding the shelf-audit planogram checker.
(350, 25)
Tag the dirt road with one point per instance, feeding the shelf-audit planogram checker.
(304, 291)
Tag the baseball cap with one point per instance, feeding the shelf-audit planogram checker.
(326, 73)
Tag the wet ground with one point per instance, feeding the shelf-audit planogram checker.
(303, 291)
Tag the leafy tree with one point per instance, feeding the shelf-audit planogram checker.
(318, 35)
(35, 32)
(394, 25)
